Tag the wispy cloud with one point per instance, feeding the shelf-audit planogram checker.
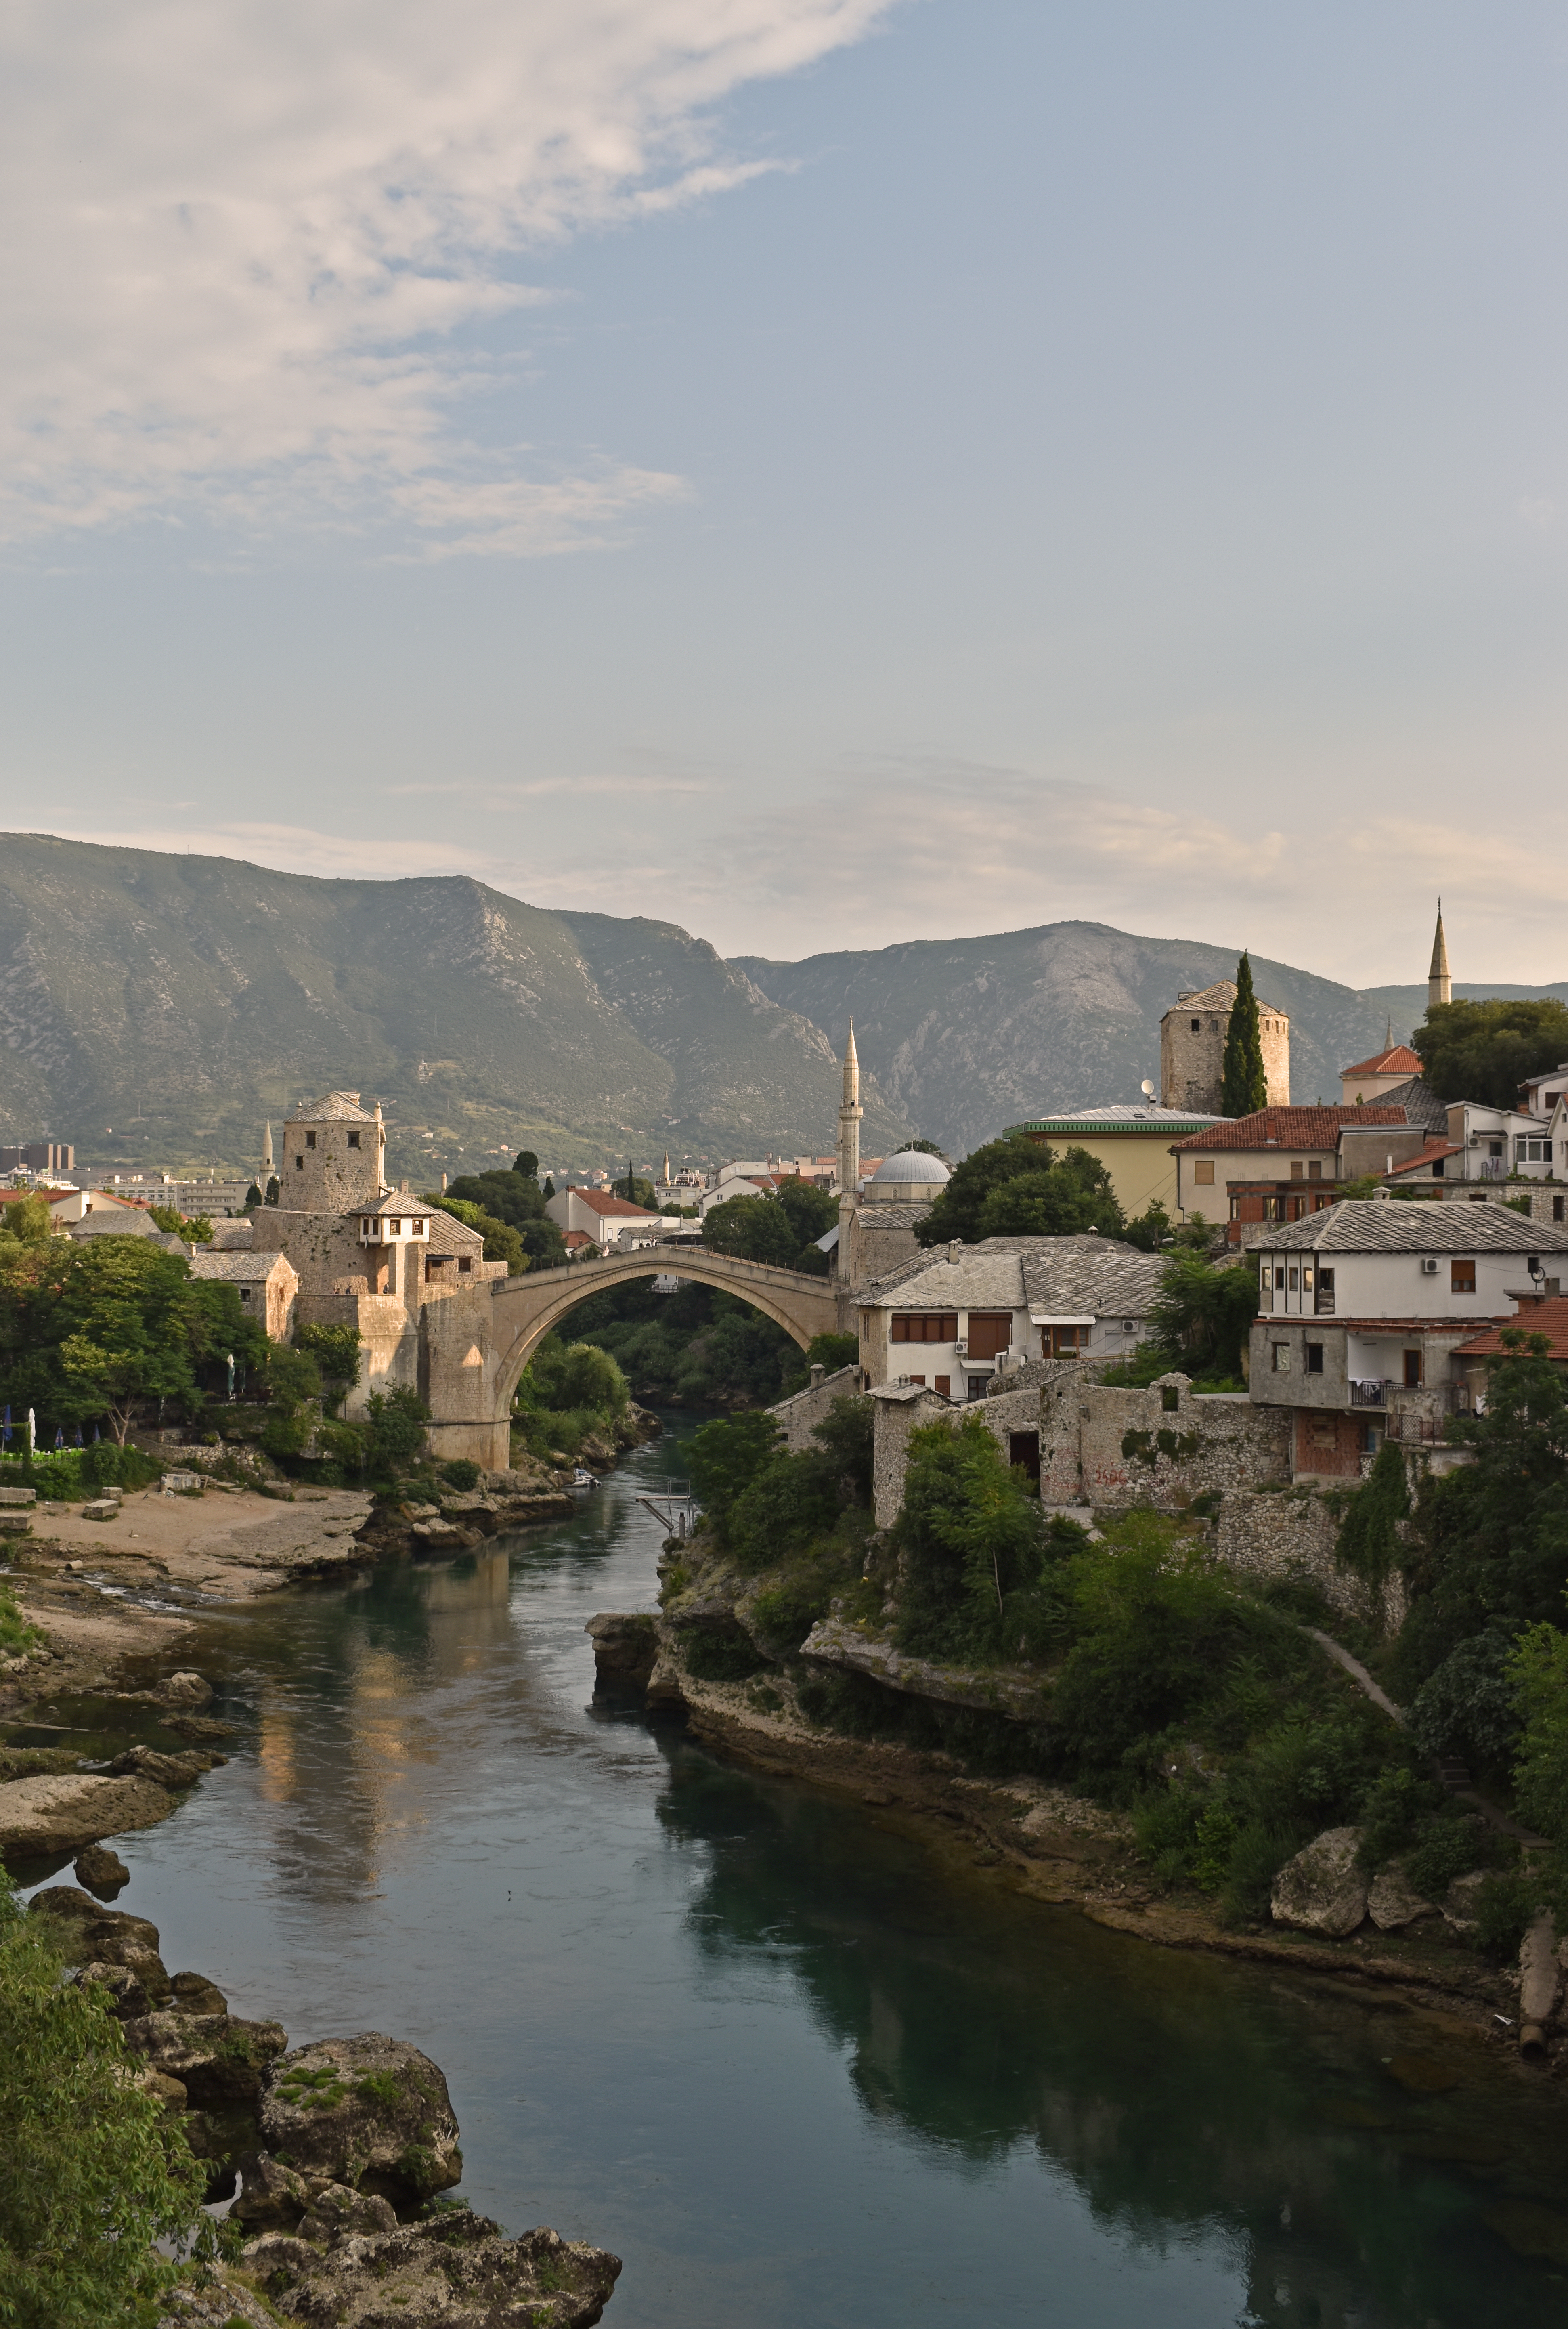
(251, 251)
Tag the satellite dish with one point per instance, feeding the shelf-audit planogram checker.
(1147, 1088)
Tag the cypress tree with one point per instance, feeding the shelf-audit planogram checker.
(1245, 1086)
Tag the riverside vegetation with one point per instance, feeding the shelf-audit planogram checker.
(1132, 1669)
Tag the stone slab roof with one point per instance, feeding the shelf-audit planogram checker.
(1067, 1276)
(1385, 1225)
(1290, 1127)
(336, 1107)
(237, 1268)
(1084, 1276)
(1220, 996)
(1420, 1102)
(891, 1217)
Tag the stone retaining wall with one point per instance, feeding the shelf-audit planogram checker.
(1165, 1445)
(798, 1416)
(1292, 1536)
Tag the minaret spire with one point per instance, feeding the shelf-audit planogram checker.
(266, 1153)
(1438, 985)
(850, 1114)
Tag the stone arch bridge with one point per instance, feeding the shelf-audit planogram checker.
(478, 1343)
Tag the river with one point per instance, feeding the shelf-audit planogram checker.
(755, 2041)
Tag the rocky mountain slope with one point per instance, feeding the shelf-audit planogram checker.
(966, 1035)
(157, 1008)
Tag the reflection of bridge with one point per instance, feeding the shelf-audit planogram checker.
(477, 1345)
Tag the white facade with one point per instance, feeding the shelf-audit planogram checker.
(1456, 1284)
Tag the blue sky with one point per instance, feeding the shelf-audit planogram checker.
(825, 473)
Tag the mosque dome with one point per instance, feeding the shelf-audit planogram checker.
(910, 1178)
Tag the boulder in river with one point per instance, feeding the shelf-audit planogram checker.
(102, 1870)
(1322, 1890)
(371, 2112)
(89, 1935)
(625, 1643)
(171, 1771)
(184, 1690)
(60, 1815)
(220, 2058)
(458, 2269)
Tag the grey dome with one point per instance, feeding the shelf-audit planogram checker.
(908, 1168)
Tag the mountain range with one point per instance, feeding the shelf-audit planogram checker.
(155, 1009)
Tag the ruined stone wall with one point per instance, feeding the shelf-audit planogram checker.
(897, 1418)
(798, 1416)
(1162, 1446)
(1292, 1536)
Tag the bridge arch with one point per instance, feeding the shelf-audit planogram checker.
(473, 1378)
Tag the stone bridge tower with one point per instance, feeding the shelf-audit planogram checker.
(334, 1155)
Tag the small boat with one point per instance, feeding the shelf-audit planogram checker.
(581, 1479)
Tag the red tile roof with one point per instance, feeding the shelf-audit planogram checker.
(576, 1239)
(1288, 1127)
(1549, 1318)
(1427, 1158)
(1401, 1061)
(600, 1201)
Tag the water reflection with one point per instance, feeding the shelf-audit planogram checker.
(752, 2037)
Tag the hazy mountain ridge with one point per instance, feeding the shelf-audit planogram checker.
(967, 1035)
(187, 998)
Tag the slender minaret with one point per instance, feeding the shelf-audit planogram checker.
(666, 1168)
(267, 1168)
(1438, 985)
(850, 1114)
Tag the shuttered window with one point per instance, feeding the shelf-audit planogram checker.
(990, 1332)
(924, 1325)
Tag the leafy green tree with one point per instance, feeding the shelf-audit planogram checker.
(724, 1458)
(336, 1352)
(196, 1229)
(1371, 1541)
(1484, 1051)
(95, 2169)
(754, 1228)
(1150, 1230)
(273, 1191)
(567, 1376)
(1488, 1543)
(395, 1423)
(28, 1220)
(635, 1190)
(1539, 1672)
(1244, 1084)
(972, 1537)
(1066, 1199)
(926, 1148)
(527, 1165)
(1074, 1192)
(252, 1198)
(796, 1498)
(516, 1199)
(1202, 1316)
(809, 1212)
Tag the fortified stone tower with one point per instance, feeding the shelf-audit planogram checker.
(334, 1155)
(1192, 1049)
(1438, 985)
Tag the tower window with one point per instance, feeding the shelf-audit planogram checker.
(354, 1140)
(299, 1163)
(1198, 1026)
(310, 1140)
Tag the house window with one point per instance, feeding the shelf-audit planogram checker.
(1281, 1358)
(944, 1383)
(416, 1228)
(918, 1379)
(1314, 1358)
(464, 1263)
(1412, 1371)
(299, 1163)
(1297, 1170)
(1203, 1172)
(310, 1140)
(354, 1140)
(1198, 1026)
(925, 1327)
(1315, 1169)
(1438, 1170)
(1295, 1281)
(394, 1228)
(991, 1332)
(1462, 1277)
(1495, 1148)
(1280, 1279)
(1058, 1342)
(1556, 1209)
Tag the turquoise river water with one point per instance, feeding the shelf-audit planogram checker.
(753, 2039)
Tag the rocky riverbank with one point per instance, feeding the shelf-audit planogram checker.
(333, 2152)
(709, 1658)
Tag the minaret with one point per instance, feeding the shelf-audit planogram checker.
(266, 1166)
(666, 1168)
(1438, 985)
(850, 1114)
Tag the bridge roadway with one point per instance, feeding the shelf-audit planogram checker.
(478, 1343)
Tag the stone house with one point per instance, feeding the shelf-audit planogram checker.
(1192, 1040)
(955, 1318)
(1363, 1308)
(266, 1283)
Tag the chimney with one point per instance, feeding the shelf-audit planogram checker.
(818, 1372)
(953, 1246)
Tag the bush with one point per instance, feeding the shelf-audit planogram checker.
(336, 1353)
(394, 1434)
(1469, 1707)
(720, 1655)
(94, 2169)
(1370, 1541)
(723, 1459)
(462, 1474)
(974, 1546)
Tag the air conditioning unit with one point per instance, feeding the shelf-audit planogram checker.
(1429, 1266)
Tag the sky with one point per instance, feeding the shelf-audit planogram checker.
(822, 472)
